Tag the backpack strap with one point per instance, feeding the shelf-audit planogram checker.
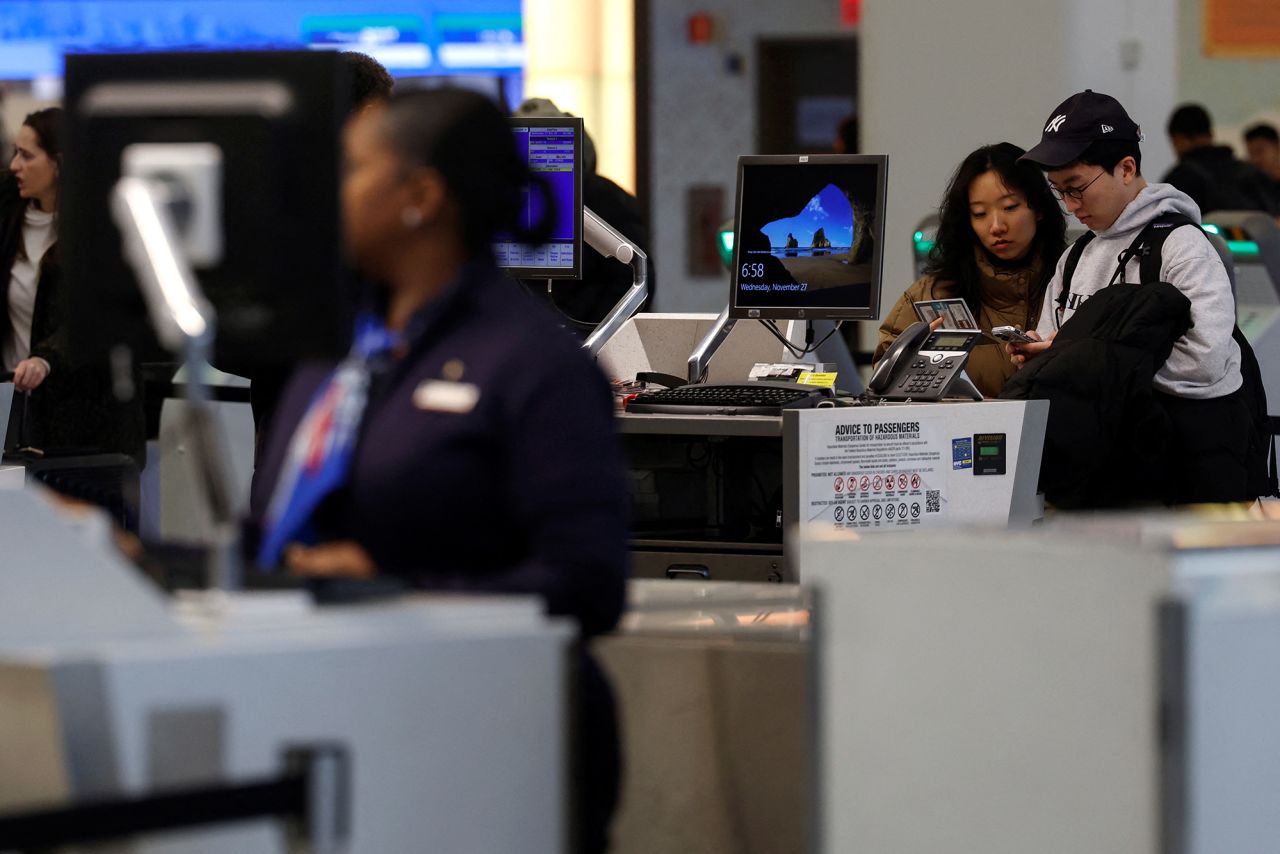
(1069, 267)
(1149, 244)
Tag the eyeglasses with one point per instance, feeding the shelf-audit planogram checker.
(1074, 193)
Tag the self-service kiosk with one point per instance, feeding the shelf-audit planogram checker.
(1253, 240)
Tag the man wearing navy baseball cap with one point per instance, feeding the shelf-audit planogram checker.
(1089, 150)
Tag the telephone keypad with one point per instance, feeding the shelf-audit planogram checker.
(931, 369)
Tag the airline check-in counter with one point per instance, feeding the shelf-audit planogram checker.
(1096, 683)
(714, 495)
(713, 681)
(117, 695)
(1099, 684)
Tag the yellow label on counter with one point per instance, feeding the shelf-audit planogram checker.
(827, 380)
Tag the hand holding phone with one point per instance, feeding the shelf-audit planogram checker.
(1011, 335)
(1020, 351)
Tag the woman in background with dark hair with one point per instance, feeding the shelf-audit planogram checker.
(1000, 233)
(65, 407)
(466, 443)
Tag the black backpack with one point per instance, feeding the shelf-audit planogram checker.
(1148, 246)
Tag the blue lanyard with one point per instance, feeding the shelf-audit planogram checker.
(318, 461)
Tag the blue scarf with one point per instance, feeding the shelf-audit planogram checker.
(319, 458)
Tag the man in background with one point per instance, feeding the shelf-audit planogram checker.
(1263, 144)
(846, 138)
(1210, 174)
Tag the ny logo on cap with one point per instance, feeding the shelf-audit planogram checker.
(1107, 128)
(1055, 124)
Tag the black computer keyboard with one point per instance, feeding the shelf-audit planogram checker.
(752, 398)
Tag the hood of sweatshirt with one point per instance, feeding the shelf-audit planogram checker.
(1153, 201)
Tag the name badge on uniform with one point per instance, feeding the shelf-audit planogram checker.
(445, 396)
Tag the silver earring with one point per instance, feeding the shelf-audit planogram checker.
(411, 217)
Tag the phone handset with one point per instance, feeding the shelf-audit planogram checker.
(898, 357)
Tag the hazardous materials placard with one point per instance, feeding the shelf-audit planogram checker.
(885, 472)
(904, 466)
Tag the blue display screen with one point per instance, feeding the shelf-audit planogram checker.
(552, 154)
(549, 152)
(409, 37)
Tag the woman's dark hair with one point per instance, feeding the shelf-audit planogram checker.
(47, 126)
(952, 257)
(467, 139)
(370, 80)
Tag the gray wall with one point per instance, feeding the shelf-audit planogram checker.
(1235, 91)
(703, 117)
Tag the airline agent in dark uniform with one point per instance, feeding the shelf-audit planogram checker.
(466, 443)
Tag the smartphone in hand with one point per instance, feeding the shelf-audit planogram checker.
(1011, 335)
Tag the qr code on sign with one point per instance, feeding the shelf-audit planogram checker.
(932, 501)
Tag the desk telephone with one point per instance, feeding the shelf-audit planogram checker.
(924, 364)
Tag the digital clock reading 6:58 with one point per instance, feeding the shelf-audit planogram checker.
(753, 271)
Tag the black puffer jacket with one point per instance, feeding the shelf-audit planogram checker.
(74, 409)
(1108, 436)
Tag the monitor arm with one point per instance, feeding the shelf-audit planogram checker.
(184, 323)
(611, 243)
(700, 358)
(181, 316)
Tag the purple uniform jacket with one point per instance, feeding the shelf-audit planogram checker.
(521, 490)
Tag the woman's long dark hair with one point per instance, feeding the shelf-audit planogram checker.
(467, 139)
(46, 124)
(952, 256)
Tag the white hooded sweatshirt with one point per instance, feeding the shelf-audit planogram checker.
(1205, 362)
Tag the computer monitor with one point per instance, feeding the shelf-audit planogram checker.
(271, 263)
(809, 237)
(553, 149)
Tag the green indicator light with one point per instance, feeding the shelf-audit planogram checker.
(1243, 248)
(1239, 248)
(918, 236)
(725, 245)
(923, 246)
